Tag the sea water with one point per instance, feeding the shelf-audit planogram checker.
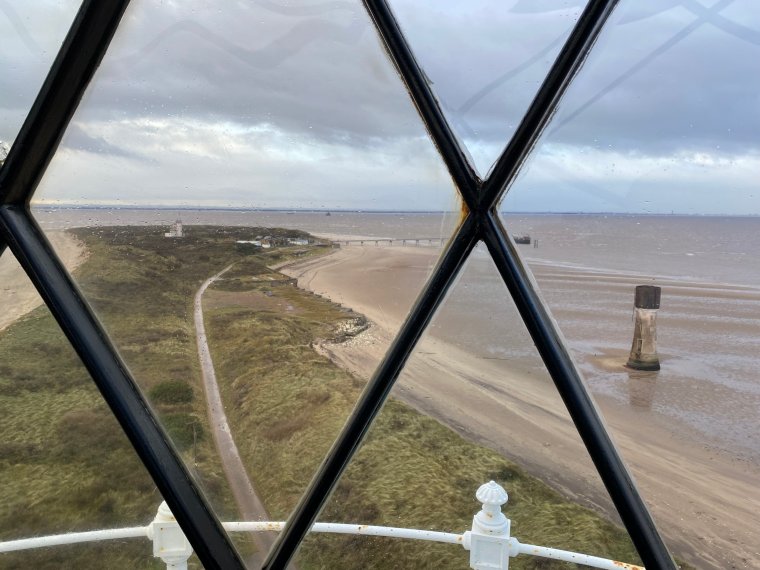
(586, 267)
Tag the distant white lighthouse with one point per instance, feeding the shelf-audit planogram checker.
(176, 230)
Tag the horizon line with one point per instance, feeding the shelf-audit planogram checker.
(369, 211)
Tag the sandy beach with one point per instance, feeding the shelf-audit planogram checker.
(17, 294)
(705, 498)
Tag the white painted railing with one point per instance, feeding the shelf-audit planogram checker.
(488, 541)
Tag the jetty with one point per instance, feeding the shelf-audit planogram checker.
(391, 241)
(416, 241)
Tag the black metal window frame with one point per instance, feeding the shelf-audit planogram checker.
(37, 142)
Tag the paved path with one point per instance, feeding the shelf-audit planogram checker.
(250, 506)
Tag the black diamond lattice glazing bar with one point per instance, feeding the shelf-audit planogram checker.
(75, 65)
(374, 395)
(481, 206)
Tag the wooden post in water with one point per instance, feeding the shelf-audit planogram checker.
(644, 348)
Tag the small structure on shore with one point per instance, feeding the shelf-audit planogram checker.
(175, 230)
(644, 347)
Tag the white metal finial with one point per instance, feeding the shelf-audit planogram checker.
(490, 519)
(492, 493)
(489, 542)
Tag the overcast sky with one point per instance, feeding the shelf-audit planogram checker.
(266, 103)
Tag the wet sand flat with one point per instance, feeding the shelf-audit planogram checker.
(703, 494)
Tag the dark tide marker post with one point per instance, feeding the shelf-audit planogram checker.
(644, 348)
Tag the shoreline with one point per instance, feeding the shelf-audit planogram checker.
(19, 295)
(705, 502)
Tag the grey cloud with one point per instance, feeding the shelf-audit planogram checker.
(692, 88)
(326, 75)
(667, 77)
(78, 139)
(662, 79)
(319, 68)
(31, 33)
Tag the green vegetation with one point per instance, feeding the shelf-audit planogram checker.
(66, 465)
(64, 461)
(290, 403)
(171, 392)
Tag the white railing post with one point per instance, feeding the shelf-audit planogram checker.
(169, 542)
(489, 542)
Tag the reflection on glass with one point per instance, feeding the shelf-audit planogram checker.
(651, 157)
(32, 33)
(642, 389)
(485, 61)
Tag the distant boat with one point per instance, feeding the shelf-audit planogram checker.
(524, 239)
(328, 214)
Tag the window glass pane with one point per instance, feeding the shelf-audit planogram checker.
(66, 465)
(473, 404)
(485, 61)
(653, 157)
(32, 33)
(214, 149)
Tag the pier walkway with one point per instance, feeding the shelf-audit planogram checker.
(391, 241)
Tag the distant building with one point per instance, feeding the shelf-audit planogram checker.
(176, 230)
(298, 241)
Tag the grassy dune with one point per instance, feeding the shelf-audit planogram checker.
(290, 403)
(66, 465)
(64, 462)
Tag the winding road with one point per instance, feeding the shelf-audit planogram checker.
(249, 504)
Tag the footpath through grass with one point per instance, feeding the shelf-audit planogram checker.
(66, 465)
